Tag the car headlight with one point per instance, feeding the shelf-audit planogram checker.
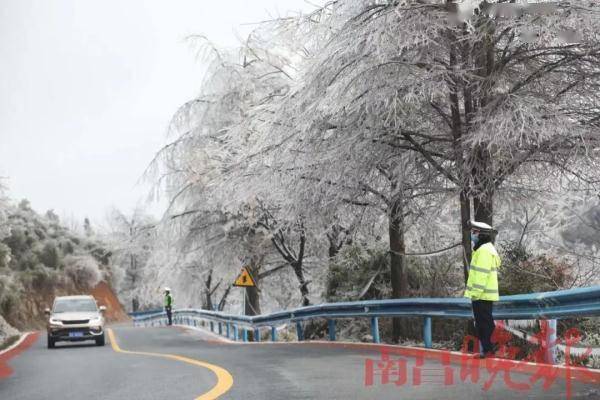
(96, 320)
(54, 321)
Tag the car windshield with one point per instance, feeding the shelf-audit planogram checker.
(72, 305)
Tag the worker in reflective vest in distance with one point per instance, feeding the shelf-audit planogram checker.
(169, 305)
(482, 284)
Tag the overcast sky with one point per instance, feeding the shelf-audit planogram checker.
(87, 89)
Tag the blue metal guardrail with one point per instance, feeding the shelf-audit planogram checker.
(146, 312)
(579, 302)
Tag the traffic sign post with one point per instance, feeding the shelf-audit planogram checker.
(247, 281)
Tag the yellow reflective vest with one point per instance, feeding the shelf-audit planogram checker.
(483, 274)
(168, 300)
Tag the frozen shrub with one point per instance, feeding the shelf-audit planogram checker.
(67, 246)
(4, 255)
(524, 272)
(39, 278)
(83, 270)
(50, 255)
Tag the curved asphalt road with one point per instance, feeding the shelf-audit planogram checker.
(200, 363)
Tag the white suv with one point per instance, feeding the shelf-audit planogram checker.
(75, 319)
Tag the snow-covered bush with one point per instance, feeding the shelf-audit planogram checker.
(524, 272)
(6, 332)
(83, 270)
(4, 255)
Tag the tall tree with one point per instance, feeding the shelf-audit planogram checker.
(133, 236)
(474, 94)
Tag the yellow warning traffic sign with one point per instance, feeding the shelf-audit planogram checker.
(244, 279)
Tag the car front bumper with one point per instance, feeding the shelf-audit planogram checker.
(75, 333)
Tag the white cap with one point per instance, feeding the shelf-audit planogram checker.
(481, 226)
(167, 289)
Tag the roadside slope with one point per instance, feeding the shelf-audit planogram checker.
(105, 295)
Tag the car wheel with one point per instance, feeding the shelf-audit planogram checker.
(100, 340)
(51, 342)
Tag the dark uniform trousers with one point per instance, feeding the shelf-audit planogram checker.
(484, 323)
(169, 315)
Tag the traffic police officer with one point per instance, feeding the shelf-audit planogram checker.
(169, 305)
(482, 284)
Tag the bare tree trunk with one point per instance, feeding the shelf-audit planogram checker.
(208, 304)
(457, 134)
(397, 267)
(135, 304)
(484, 207)
(252, 300)
(252, 303)
(294, 260)
(465, 217)
(335, 244)
(297, 267)
(223, 300)
(483, 201)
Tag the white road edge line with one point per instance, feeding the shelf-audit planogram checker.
(16, 344)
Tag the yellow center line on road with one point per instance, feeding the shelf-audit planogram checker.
(224, 378)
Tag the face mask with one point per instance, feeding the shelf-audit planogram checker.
(475, 238)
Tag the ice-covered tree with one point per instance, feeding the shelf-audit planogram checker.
(132, 238)
(485, 98)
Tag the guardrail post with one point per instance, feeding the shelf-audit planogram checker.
(273, 334)
(331, 329)
(212, 326)
(228, 329)
(427, 332)
(245, 337)
(257, 334)
(549, 340)
(375, 329)
(220, 328)
(299, 331)
(235, 333)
